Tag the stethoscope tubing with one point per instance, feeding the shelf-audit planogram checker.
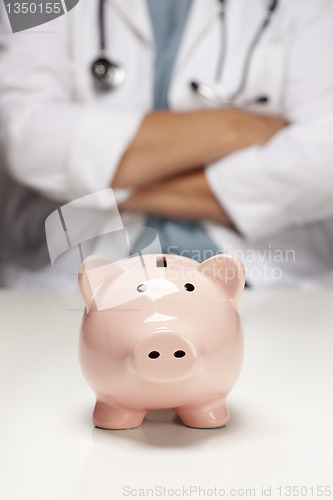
(218, 92)
(109, 75)
(101, 23)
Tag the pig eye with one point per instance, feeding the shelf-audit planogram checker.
(142, 288)
(189, 287)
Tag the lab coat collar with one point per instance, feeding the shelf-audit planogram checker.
(136, 15)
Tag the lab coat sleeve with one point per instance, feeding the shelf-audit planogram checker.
(289, 181)
(61, 147)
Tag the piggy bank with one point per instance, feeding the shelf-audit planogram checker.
(161, 331)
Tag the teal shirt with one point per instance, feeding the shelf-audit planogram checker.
(168, 19)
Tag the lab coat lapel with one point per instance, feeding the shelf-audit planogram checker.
(201, 16)
(135, 14)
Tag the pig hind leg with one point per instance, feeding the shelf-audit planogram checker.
(106, 416)
(207, 414)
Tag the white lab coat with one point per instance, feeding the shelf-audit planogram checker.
(64, 140)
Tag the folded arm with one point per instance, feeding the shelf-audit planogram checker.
(187, 196)
(165, 160)
(171, 143)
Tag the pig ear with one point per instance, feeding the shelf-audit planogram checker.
(229, 271)
(92, 273)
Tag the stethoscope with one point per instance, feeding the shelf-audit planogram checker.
(109, 75)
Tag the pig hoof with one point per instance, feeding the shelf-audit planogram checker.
(108, 417)
(205, 417)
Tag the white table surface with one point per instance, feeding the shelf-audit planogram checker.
(280, 433)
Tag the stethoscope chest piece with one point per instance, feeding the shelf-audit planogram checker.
(107, 74)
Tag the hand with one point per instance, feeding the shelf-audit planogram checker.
(259, 129)
(187, 196)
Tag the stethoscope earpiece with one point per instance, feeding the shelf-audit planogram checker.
(107, 75)
(262, 99)
(226, 100)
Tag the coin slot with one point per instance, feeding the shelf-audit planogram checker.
(161, 262)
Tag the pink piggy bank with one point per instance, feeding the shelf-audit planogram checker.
(161, 331)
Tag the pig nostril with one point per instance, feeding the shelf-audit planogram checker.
(179, 354)
(189, 287)
(153, 354)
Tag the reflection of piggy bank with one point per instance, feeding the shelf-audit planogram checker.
(161, 331)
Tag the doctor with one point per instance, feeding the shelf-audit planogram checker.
(246, 146)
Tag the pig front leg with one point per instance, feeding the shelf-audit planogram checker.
(205, 414)
(106, 416)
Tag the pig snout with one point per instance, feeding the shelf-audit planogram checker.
(164, 356)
